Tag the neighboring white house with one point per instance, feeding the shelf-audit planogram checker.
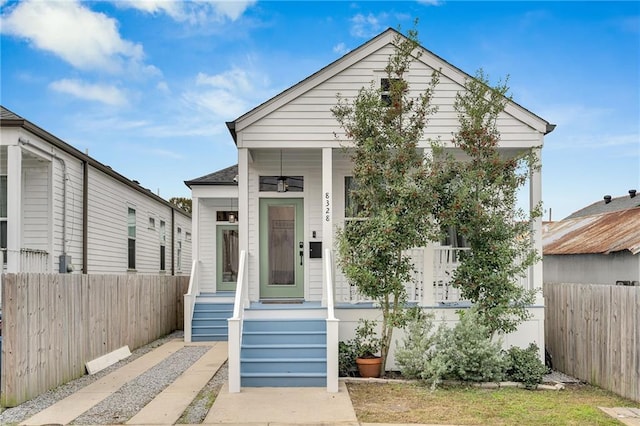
(269, 224)
(63, 211)
(599, 244)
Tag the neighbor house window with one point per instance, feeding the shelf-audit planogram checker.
(131, 224)
(3, 218)
(179, 250)
(152, 223)
(187, 236)
(163, 244)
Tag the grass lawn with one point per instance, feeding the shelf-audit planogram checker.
(415, 403)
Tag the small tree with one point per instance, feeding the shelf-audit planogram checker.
(392, 188)
(182, 202)
(478, 196)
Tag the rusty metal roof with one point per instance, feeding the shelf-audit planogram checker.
(601, 233)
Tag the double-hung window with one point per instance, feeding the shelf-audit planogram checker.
(131, 247)
(179, 250)
(163, 245)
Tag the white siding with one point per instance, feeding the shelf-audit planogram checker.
(207, 222)
(35, 204)
(46, 171)
(109, 201)
(591, 268)
(184, 223)
(308, 118)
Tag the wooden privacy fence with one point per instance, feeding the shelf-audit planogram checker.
(593, 333)
(54, 323)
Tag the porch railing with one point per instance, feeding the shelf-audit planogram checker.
(445, 261)
(29, 260)
(235, 325)
(332, 325)
(190, 299)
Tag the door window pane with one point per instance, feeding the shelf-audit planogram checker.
(282, 245)
(230, 255)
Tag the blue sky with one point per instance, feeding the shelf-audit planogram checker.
(146, 86)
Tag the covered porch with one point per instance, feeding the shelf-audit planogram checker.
(231, 237)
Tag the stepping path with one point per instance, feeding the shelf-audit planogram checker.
(167, 407)
(65, 411)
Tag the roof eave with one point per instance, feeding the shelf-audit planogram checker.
(231, 125)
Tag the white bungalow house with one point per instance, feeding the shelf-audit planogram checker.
(264, 230)
(63, 211)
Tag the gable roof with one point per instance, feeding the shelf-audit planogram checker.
(618, 203)
(344, 62)
(227, 176)
(596, 234)
(10, 119)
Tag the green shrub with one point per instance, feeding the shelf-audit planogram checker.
(524, 365)
(347, 353)
(416, 351)
(468, 352)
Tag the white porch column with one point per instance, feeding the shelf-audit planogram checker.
(535, 197)
(14, 207)
(428, 296)
(327, 210)
(195, 238)
(243, 213)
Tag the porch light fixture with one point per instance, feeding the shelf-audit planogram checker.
(282, 180)
(232, 215)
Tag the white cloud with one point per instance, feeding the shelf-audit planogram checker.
(340, 48)
(367, 26)
(430, 2)
(109, 95)
(85, 39)
(228, 94)
(194, 11)
(163, 87)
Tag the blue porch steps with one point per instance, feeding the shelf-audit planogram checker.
(283, 353)
(209, 323)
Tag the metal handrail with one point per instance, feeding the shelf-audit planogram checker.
(235, 327)
(190, 299)
(333, 326)
(328, 268)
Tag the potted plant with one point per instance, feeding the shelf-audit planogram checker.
(367, 348)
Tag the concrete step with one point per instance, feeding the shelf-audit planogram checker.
(298, 380)
(284, 365)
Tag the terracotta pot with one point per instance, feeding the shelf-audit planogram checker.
(369, 367)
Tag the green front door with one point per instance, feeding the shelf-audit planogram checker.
(226, 257)
(281, 248)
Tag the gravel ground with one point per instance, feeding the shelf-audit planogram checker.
(155, 381)
(199, 408)
(133, 396)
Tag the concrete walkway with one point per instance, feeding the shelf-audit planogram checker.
(252, 406)
(268, 406)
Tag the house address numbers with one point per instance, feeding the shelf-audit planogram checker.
(327, 207)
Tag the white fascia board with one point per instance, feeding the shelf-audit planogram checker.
(214, 191)
(273, 144)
